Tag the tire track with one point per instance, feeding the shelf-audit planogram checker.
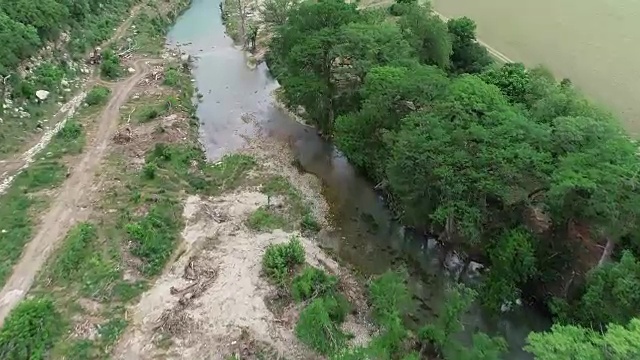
(68, 207)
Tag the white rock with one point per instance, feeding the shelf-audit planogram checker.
(42, 94)
(64, 82)
(184, 57)
(131, 70)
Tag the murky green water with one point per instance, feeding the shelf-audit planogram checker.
(366, 237)
(592, 42)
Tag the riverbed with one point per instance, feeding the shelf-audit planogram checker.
(366, 237)
(593, 42)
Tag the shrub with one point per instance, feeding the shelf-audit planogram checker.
(110, 67)
(31, 330)
(280, 259)
(316, 329)
(312, 282)
(171, 77)
(389, 297)
(309, 223)
(149, 171)
(263, 220)
(97, 95)
(70, 131)
(154, 236)
(148, 113)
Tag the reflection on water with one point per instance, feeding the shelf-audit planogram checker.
(366, 235)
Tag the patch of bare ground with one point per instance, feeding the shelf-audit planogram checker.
(213, 302)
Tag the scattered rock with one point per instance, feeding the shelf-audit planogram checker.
(64, 82)
(184, 57)
(131, 70)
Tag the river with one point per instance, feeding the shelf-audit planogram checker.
(592, 42)
(367, 237)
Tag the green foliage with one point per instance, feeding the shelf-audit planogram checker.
(275, 12)
(309, 223)
(98, 95)
(265, 219)
(155, 235)
(611, 294)
(110, 67)
(149, 171)
(76, 249)
(428, 35)
(280, 259)
(316, 329)
(312, 283)
(389, 297)
(513, 262)
(172, 77)
(576, 343)
(439, 336)
(148, 113)
(69, 140)
(31, 330)
(467, 55)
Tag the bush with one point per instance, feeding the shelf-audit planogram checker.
(316, 329)
(280, 259)
(149, 113)
(149, 171)
(110, 67)
(31, 330)
(172, 77)
(312, 282)
(70, 131)
(389, 297)
(97, 95)
(265, 220)
(154, 236)
(309, 223)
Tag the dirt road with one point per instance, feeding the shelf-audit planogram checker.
(70, 206)
(11, 167)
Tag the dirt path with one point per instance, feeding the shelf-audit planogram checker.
(11, 167)
(70, 205)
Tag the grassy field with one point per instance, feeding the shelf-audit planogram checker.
(591, 42)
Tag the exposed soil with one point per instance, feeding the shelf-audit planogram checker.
(75, 196)
(12, 166)
(211, 302)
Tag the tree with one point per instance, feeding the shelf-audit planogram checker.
(612, 294)
(302, 54)
(467, 55)
(571, 342)
(428, 35)
(465, 162)
(275, 12)
(438, 338)
(388, 95)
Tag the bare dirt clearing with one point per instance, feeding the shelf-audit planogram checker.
(211, 302)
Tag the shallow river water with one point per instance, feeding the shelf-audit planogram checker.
(367, 237)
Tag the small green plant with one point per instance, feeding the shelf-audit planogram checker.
(97, 95)
(316, 329)
(75, 252)
(263, 219)
(148, 113)
(309, 223)
(311, 283)
(172, 77)
(31, 330)
(155, 236)
(149, 171)
(280, 259)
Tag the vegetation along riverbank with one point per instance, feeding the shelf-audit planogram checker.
(505, 164)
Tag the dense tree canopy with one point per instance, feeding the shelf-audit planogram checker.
(25, 25)
(504, 162)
